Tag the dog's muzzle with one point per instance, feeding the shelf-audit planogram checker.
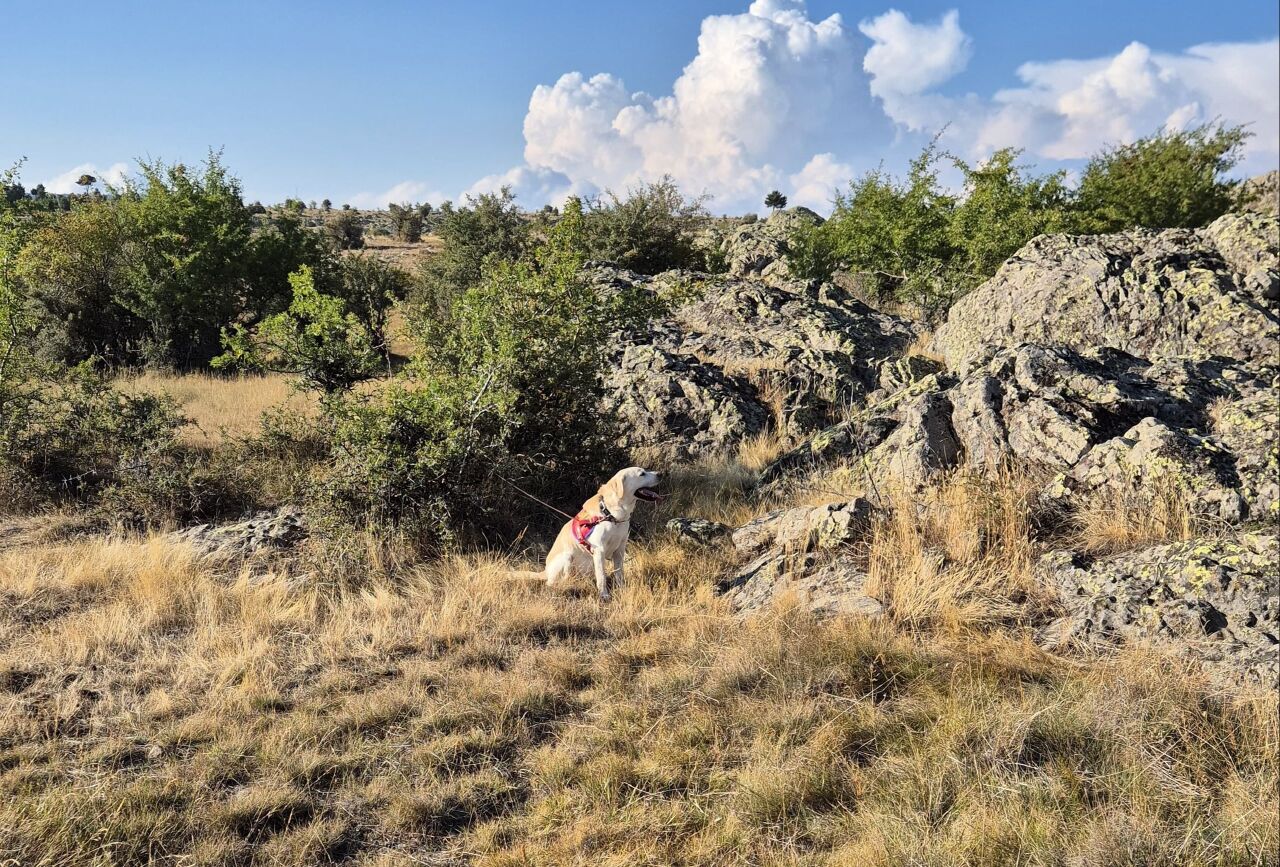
(650, 495)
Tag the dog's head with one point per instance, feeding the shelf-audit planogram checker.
(633, 483)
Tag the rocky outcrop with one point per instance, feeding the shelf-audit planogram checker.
(1177, 293)
(826, 588)
(698, 531)
(1104, 421)
(265, 531)
(1261, 193)
(760, 249)
(694, 381)
(1216, 600)
(823, 527)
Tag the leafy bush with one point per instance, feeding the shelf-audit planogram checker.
(649, 231)
(1165, 180)
(317, 338)
(345, 229)
(370, 288)
(507, 389)
(69, 435)
(154, 271)
(911, 240)
(487, 229)
(408, 221)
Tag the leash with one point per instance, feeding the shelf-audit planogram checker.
(543, 503)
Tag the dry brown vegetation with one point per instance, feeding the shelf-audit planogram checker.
(159, 707)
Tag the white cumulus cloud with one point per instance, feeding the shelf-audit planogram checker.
(532, 186)
(1067, 109)
(764, 89)
(113, 175)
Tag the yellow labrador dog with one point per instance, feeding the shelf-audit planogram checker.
(598, 533)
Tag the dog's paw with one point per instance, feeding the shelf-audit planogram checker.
(605, 597)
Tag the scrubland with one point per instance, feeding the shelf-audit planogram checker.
(157, 706)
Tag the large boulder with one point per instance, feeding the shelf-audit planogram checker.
(1216, 600)
(1173, 293)
(825, 588)
(719, 367)
(1261, 193)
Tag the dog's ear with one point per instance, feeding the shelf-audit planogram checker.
(613, 490)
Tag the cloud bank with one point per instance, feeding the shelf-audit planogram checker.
(763, 85)
(1067, 109)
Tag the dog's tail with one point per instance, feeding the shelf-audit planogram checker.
(525, 575)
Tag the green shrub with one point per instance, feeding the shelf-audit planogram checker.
(153, 272)
(508, 388)
(345, 229)
(487, 229)
(912, 241)
(317, 339)
(650, 231)
(70, 435)
(408, 221)
(1165, 180)
(370, 288)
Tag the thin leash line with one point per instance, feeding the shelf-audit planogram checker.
(532, 497)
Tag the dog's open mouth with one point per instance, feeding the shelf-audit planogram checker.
(650, 494)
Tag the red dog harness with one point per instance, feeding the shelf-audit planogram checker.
(581, 527)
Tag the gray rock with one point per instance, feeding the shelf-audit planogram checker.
(1248, 427)
(804, 527)
(835, 587)
(1178, 292)
(1261, 193)
(698, 531)
(282, 528)
(760, 249)
(1215, 600)
(1152, 457)
(694, 382)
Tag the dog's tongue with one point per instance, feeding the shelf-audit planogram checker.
(651, 495)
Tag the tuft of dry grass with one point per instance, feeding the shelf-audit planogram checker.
(959, 553)
(1120, 521)
(219, 407)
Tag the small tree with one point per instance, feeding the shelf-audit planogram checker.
(775, 200)
(326, 205)
(370, 288)
(407, 223)
(346, 230)
(651, 230)
(317, 339)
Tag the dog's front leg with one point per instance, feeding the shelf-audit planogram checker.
(617, 567)
(602, 578)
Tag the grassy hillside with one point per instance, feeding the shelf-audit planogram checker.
(161, 707)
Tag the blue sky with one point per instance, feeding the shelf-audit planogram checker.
(365, 101)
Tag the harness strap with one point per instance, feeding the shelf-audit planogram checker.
(581, 527)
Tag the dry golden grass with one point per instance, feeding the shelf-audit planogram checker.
(223, 406)
(1163, 512)
(959, 554)
(158, 708)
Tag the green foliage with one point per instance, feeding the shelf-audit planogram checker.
(775, 200)
(910, 240)
(66, 433)
(370, 288)
(1002, 207)
(316, 338)
(153, 272)
(649, 231)
(487, 229)
(346, 230)
(508, 387)
(1165, 180)
(407, 222)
